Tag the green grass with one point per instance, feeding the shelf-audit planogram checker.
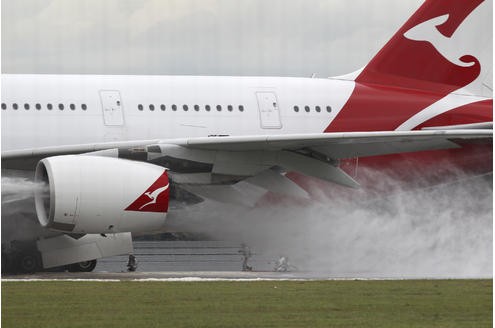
(424, 303)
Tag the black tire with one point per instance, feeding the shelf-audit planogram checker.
(86, 266)
(29, 263)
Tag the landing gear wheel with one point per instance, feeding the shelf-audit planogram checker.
(86, 266)
(29, 263)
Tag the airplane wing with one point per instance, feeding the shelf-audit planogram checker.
(315, 155)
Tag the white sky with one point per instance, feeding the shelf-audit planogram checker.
(200, 37)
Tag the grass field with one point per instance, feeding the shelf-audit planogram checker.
(422, 303)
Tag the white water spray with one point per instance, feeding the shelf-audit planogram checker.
(18, 188)
(444, 231)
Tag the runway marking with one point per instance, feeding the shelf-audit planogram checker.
(199, 279)
(74, 280)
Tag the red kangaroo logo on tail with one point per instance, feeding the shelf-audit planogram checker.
(155, 198)
(428, 31)
(421, 64)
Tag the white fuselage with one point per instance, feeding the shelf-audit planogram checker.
(114, 113)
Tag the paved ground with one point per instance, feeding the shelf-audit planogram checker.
(179, 256)
(184, 275)
(207, 276)
(197, 261)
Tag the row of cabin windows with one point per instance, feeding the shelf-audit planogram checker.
(318, 109)
(230, 108)
(185, 108)
(26, 106)
(151, 107)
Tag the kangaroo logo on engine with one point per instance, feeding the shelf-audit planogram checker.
(155, 198)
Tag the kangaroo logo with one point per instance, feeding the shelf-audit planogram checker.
(446, 46)
(155, 198)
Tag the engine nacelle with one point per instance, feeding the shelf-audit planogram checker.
(91, 194)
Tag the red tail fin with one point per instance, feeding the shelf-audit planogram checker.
(411, 61)
(439, 50)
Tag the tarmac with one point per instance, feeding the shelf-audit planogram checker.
(208, 276)
(167, 276)
(202, 261)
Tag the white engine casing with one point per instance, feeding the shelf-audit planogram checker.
(91, 194)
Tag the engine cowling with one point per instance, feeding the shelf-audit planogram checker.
(91, 194)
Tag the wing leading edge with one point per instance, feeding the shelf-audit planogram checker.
(315, 155)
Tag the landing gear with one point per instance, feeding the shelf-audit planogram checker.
(20, 257)
(29, 262)
(246, 254)
(86, 266)
(132, 263)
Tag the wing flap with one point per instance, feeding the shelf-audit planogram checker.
(315, 168)
(373, 148)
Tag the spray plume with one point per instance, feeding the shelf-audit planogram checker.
(442, 231)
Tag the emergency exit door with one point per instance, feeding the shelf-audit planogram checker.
(112, 107)
(269, 110)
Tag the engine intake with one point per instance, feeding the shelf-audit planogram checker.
(91, 194)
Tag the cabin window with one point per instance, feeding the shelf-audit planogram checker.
(15, 106)
(318, 109)
(4, 106)
(296, 109)
(306, 108)
(26, 106)
(329, 109)
(174, 107)
(38, 106)
(208, 108)
(219, 108)
(72, 107)
(185, 108)
(84, 107)
(230, 108)
(49, 106)
(152, 107)
(241, 108)
(162, 107)
(61, 106)
(140, 107)
(196, 108)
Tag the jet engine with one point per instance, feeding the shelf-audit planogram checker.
(92, 194)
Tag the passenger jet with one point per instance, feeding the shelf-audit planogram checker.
(111, 151)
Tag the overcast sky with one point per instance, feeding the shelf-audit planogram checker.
(200, 37)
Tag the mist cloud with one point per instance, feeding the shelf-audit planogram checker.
(444, 231)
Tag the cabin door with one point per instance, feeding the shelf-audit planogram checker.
(269, 110)
(112, 107)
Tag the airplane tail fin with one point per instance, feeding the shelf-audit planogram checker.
(444, 49)
(445, 46)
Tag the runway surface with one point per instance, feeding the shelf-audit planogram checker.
(204, 261)
(206, 276)
(167, 276)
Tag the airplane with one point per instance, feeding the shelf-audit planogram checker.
(110, 152)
